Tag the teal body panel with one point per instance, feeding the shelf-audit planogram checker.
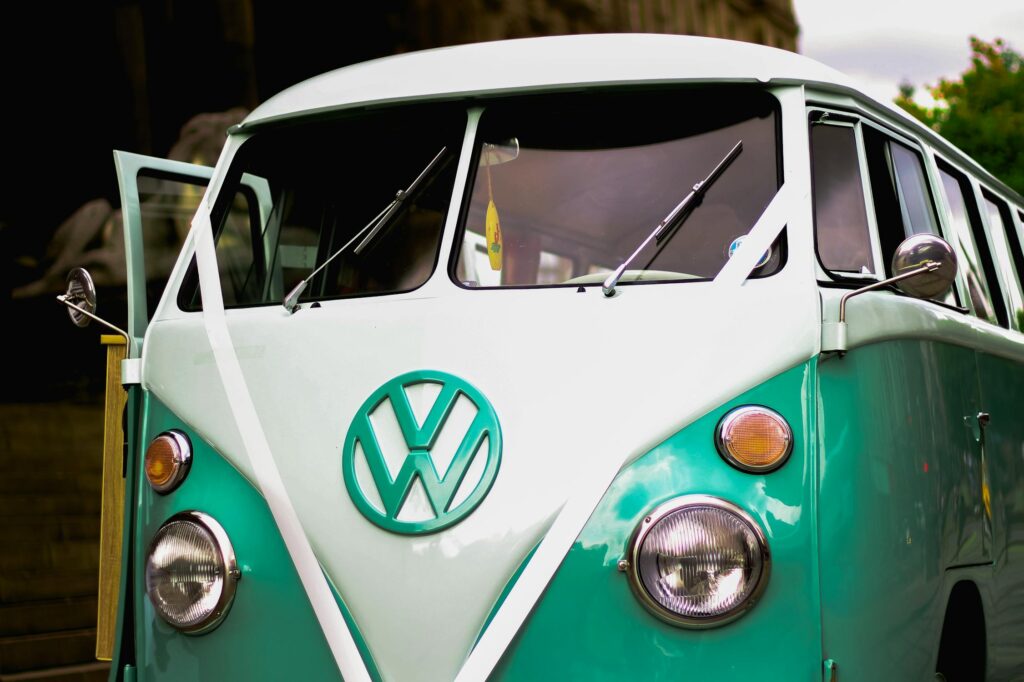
(271, 632)
(902, 511)
(589, 626)
(124, 656)
(1002, 396)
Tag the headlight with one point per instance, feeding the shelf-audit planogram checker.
(191, 572)
(754, 439)
(698, 561)
(167, 461)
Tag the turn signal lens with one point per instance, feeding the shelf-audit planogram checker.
(167, 461)
(754, 439)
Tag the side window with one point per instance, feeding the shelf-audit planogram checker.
(1006, 249)
(166, 207)
(242, 267)
(975, 262)
(842, 233)
(903, 203)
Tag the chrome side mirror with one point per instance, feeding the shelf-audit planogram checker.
(80, 300)
(81, 291)
(915, 252)
(923, 266)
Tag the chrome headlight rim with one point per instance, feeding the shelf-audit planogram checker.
(182, 447)
(730, 417)
(232, 574)
(651, 520)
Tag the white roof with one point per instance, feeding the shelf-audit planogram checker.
(545, 63)
(561, 62)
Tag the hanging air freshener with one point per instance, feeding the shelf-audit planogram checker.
(493, 227)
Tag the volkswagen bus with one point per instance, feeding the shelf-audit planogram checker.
(588, 357)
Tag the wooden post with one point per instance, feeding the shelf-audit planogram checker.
(112, 510)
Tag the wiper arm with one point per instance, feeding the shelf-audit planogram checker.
(291, 300)
(675, 218)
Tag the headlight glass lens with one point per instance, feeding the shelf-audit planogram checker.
(191, 572)
(699, 563)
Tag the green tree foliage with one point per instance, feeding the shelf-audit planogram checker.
(982, 112)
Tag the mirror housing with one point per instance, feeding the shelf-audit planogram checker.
(914, 252)
(80, 300)
(82, 292)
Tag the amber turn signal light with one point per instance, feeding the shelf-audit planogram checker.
(167, 461)
(754, 439)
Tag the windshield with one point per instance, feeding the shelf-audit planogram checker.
(295, 195)
(567, 187)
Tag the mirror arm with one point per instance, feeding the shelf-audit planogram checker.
(66, 301)
(929, 266)
(833, 334)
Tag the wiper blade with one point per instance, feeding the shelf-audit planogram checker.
(291, 300)
(675, 218)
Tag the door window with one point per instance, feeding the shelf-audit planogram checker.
(842, 232)
(166, 206)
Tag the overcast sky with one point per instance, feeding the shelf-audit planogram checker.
(884, 42)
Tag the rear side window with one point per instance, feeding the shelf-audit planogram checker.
(1006, 250)
(975, 262)
(840, 218)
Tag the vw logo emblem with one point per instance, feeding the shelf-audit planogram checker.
(441, 487)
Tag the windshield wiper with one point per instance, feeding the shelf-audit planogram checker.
(291, 300)
(675, 218)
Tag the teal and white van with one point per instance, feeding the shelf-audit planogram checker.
(571, 358)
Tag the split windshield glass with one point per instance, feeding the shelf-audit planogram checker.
(567, 186)
(309, 188)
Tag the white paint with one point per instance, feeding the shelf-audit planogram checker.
(131, 371)
(544, 63)
(268, 479)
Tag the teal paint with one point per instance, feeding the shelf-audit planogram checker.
(589, 626)
(900, 502)
(1001, 383)
(134, 408)
(271, 632)
(420, 438)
